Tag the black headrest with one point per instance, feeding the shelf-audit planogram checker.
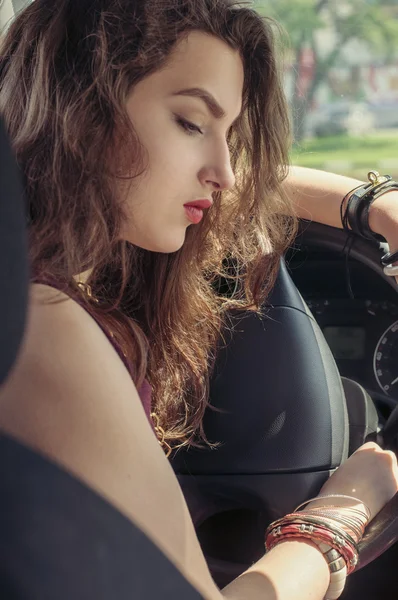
(13, 258)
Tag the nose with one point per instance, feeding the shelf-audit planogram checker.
(218, 174)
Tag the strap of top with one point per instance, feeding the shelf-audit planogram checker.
(145, 391)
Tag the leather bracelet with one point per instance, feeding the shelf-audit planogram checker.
(349, 218)
(355, 218)
(364, 215)
(343, 208)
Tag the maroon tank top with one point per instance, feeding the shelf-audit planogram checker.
(145, 391)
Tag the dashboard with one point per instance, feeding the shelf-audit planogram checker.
(357, 312)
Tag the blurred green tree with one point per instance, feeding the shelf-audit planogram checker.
(373, 22)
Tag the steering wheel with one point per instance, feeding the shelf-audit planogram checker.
(382, 533)
(280, 415)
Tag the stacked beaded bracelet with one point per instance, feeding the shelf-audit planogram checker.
(354, 213)
(337, 532)
(312, 529)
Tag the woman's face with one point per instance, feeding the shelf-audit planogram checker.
(182, 115)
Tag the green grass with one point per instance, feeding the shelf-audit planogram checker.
(362, 152)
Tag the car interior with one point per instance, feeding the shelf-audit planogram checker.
(295, 393)
(311, 381)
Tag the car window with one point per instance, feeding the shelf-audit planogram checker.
(341, 79)
(8, 8)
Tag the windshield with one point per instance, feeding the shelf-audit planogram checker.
(341, 77)
(341, 80)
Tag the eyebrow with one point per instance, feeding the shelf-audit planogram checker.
(215, 109)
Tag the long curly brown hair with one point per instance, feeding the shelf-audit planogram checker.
(66, 70)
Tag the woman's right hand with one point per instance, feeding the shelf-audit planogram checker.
(370, 475)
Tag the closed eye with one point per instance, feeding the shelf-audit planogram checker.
(188, 127)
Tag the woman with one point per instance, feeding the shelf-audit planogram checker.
(153, 137)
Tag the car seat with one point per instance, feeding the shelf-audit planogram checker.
(59, 539)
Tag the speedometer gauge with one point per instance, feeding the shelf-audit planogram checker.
(385, 361)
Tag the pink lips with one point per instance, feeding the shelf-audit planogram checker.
(194, 210)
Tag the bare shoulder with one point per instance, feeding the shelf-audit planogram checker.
(69, 387)
(65, 351)
(71, 398)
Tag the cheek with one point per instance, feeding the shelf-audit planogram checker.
(173, 164)
(172, 156)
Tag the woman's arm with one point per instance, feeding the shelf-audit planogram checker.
(291, 571)
(70, 398)
(317, 196)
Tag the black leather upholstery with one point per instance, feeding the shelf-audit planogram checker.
(277, 379)
(60, 540)
(282, 423)
(13, 259)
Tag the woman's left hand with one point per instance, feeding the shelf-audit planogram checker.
(383, 219)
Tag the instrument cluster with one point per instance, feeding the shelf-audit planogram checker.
(363, 337)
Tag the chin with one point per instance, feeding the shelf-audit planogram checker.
(167, 248)
(167, 245)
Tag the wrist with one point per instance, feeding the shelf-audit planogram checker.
(328, 564)
(370, 210)
(383, 214)
(328, 502)
(304, 554)
(341, 499)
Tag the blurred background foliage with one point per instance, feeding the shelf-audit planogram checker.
(341, 77)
